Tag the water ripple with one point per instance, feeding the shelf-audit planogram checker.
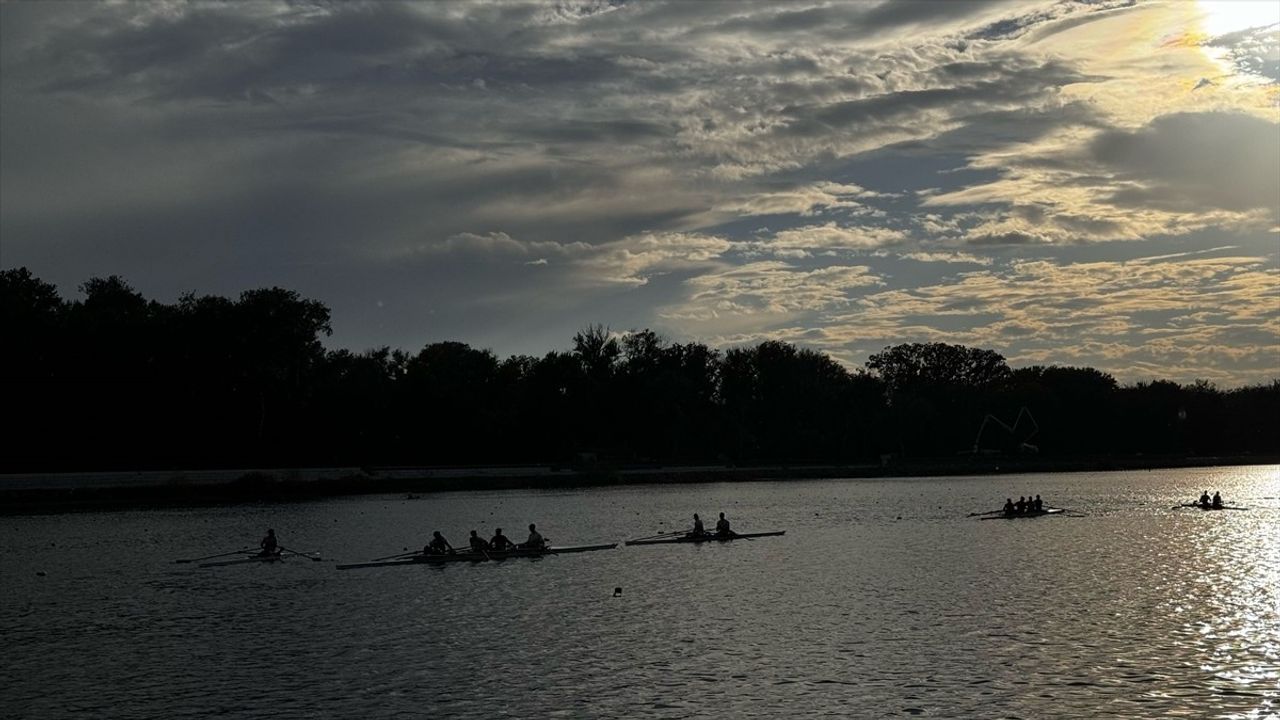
(881, 599)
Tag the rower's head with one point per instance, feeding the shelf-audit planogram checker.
(721, 516)
(473, 533)
(270, 531)
(531, 527)
(436, 533)
(498, 531)
(695, 516)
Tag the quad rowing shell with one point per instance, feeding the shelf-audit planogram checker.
(704, 538)
(481, 557)
(1026, 516)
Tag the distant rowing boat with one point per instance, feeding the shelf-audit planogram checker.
(1026, 515)
(1211, 507)
(702, 538)
(480, 557)
(245, 560)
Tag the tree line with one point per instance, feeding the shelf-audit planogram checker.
(116, 381)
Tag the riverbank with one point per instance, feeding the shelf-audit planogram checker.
(70, 492)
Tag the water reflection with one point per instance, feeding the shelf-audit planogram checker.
(1133, 610)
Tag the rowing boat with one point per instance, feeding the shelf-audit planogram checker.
(1211, 507)
(1025, 515)
(481, 556)
(703, 538)
(245, 560)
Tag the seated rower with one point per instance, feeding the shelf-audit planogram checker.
(1204, 499)
(477, 543)
(1008, 506)
(269, 544)
(535, 541)
(698, 529)
(1038, 504)
(1020, 506)
(500, 542)
(722, 527)
(438, 545)
(1217, 499)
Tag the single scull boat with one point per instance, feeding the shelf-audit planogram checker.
(703, 538)
(469, 556)
(245, 560)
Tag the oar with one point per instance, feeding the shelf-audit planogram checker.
(662, 535)
(305, 555)
(396, 557)
(210, 557)
(993, 512)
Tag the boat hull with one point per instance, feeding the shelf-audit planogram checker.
(244, 561)
(1025, 515)
(480, 557)
(704, 538)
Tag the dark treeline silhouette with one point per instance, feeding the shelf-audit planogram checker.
(116, 381)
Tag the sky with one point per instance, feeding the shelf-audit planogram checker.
(1066, 183)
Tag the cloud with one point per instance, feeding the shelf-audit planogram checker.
(503, 172)
(1105, 314)
(629, 261)
(830, 237)
(767, 291)
(805, 200)
(946, 257)
(1194, 162)
(1179, 174)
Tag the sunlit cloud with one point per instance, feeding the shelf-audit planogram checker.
(840, 174)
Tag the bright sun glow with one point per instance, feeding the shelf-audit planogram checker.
(1227, 16)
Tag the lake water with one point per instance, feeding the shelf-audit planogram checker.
(882, 599)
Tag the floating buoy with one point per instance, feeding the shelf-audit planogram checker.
(617, 592)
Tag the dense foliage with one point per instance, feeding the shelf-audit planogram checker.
(118, 381)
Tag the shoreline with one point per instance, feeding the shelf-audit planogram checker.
(53, 493)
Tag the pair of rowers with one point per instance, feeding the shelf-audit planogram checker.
(498, 543)
(722, 527)
(1023, 506)
(1205, 502)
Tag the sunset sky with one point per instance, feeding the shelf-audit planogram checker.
(1071, 183)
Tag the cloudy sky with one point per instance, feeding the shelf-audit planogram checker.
(1076, 183)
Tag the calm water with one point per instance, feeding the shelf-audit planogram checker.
(882, 599)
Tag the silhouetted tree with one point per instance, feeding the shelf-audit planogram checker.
(113, 380)
(937, 393)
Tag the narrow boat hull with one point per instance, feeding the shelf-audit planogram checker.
(1198, 506)
(1026, 515)
(480, 557)
(244, 561)
(704, 538)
